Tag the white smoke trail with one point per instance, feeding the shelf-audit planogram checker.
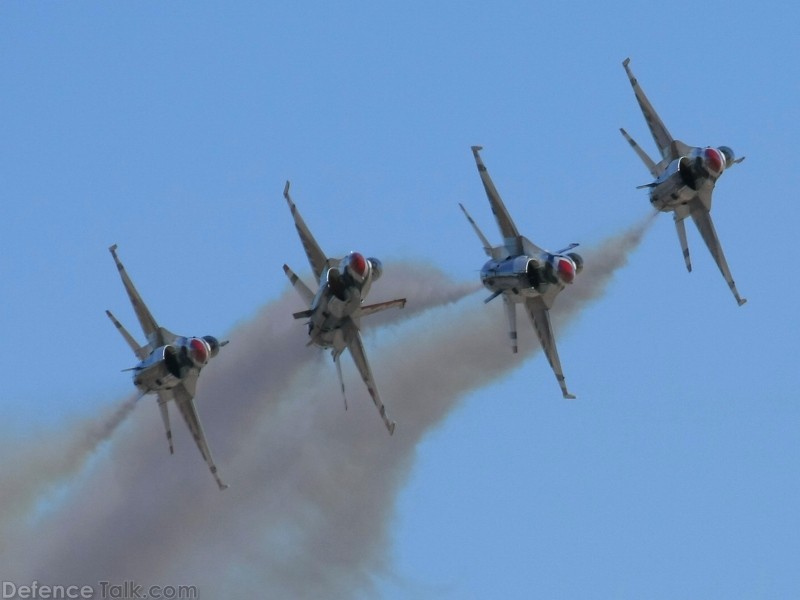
(312, 487)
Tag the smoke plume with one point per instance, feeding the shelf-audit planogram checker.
(36, 466)
(312, 487)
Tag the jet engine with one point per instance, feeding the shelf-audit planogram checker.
(162, 370)
(519, 272)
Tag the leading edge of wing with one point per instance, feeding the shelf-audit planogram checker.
(661, 135)
(316, 257)
(506, 224)
(185, 401)
(150, 328)
(702, 219)
(356, 347)
(540, 319)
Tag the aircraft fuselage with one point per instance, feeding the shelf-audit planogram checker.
(168, 365)
(529, 275)
(341, 292)
(687, 177)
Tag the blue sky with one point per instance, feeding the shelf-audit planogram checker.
(171, 128)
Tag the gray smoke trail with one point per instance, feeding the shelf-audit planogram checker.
(36, 466)
(312, 487)
(45, 461)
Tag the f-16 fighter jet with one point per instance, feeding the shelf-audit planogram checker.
(684, 181)
(170, 366)
(523, 273)
(335, 310)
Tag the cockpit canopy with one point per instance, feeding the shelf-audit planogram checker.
(727, 152)
(578, 260)
(377, 267)
(213, 345)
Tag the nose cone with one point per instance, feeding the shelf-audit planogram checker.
(715, 161)
(566, 270)
(198, 350)
(357, 264)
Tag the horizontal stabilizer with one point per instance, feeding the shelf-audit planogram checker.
(373, 308)
(140, 351)
(302, 289)
(649, 163)
(487, 247)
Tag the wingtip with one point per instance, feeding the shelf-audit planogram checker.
(286, 190)
(222, 486)
(390, 426)
(741, 301)
(626, 61)
(568, 396)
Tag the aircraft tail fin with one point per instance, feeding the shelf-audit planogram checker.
(140, 351)
(302, 289)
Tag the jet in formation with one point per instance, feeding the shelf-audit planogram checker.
(684, 181)
(524, 273)
(335, 310)
(169, 367)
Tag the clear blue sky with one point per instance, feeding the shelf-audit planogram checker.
(170, 128)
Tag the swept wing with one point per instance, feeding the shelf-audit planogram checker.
(316, 257)
(356, 347)
(184, 398)
(509, 231)
(702, 218)
(540, 318)
(156, 336)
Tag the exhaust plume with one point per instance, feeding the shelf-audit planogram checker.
(313, 487)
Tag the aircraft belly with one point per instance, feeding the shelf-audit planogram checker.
(671, 193)
(154, 377)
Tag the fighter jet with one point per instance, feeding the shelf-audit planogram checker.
(336, 309)
(524, 273)
(169, 366)
(684, 181)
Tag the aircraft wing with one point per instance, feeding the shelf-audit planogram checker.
(156, 336)
(660, 134)
(184, 398)
(356, 347)
(316, 257)
(702, 218)
(371, 309)
(540, 318)
(511, 237)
